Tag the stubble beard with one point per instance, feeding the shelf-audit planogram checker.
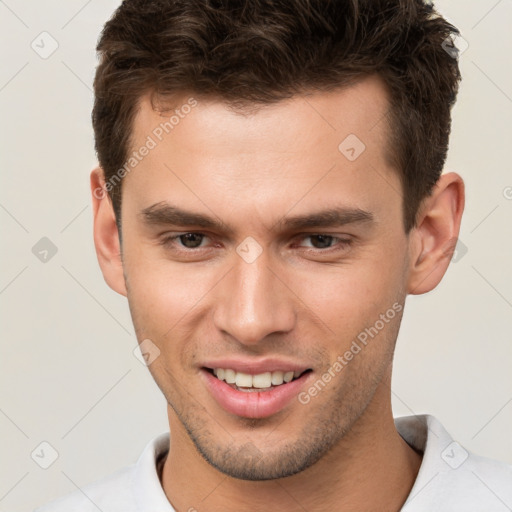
(327, 426)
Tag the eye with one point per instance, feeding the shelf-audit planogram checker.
(318, 242)
(322, 241)
(185, 240)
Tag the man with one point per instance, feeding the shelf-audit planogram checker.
(269, 192)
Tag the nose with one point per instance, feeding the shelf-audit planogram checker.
(253, 302)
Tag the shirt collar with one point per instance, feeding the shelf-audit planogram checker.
(428, 436)
(148, 492)
(423, 432)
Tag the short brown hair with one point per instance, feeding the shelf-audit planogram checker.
(262, 51)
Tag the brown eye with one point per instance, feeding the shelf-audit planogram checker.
(321, 241)
(191, 240)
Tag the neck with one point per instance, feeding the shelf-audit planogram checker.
(371, 468)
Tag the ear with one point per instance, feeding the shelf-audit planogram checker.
(433, 240)
(106, 235)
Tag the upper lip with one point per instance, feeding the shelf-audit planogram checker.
(256, 366)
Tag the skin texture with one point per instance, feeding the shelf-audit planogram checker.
(297, 301)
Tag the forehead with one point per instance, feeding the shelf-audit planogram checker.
(304, 148)
(303, 119)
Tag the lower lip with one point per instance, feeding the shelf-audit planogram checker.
(253, 404)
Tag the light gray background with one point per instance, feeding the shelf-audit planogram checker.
(68, 373)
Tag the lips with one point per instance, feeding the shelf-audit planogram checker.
(254, 390)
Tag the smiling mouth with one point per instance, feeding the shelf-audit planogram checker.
(248, 383)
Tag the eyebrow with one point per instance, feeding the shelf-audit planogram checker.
(163, 213)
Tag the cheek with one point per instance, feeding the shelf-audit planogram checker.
(167, 302)
(352, 293)
(358, 306)
(164, 289)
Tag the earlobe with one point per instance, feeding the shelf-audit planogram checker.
(106, 235)
(433, 241)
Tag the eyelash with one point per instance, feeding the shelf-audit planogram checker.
(343, 243)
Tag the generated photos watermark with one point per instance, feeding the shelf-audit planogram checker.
(361, 341)
(152, 140)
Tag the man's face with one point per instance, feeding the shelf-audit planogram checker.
(294, 296)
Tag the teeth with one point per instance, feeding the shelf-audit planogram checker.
(277, 378)
(262, 380)
(243, 380)
(259, 381)
(230, 376)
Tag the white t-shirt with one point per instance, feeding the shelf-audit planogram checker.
(450, 479)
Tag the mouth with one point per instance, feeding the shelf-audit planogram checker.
(255, 395)
(260, 382)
